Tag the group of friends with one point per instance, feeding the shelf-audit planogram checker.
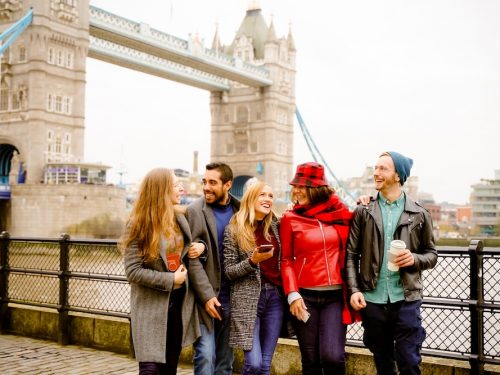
(221, 274)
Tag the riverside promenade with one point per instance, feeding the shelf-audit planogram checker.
(24, 355)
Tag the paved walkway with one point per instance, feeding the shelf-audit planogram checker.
(24, 355)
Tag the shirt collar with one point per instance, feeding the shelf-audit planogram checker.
(398, 202)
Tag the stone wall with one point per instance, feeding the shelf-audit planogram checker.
(113, 334)
(81, 210)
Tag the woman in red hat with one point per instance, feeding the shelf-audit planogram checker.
(313, 236)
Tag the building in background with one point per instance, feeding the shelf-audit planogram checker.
(364, 185)
(485, 203)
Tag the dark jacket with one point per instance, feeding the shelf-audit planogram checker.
(365, 247)
(205, 271)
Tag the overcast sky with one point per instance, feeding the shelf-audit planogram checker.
(418, 77)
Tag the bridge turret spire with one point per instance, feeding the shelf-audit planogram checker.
(291, 42)
(216, 44)
(271, 34)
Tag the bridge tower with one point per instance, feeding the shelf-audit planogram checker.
(252, 128)
(43, 85)
(46, 187)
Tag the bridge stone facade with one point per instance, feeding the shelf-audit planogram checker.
(42, 108)
(252, 127)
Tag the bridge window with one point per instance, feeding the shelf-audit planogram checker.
(22, 54)
(4, 96)
(50, 55)
(67, 105)
(242, 115)
(50, 103)
(58, 104)
(49, 135)
(59, 57)
(254, 146)
(69, 60)
(229, 148)
(15, 101)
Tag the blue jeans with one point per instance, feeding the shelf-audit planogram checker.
(394, 334)
(322, 338)
(212, 354)
(266, 332)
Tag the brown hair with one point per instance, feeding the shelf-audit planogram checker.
(153, 214)
(318, 194)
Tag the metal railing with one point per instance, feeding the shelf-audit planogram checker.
(460, 311)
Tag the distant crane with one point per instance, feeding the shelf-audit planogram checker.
(340, 190)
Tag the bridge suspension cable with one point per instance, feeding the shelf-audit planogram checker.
(340, 190)
(11, 33)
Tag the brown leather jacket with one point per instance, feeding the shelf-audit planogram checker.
(365, 247)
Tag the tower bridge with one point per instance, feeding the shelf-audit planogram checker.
(42, 99)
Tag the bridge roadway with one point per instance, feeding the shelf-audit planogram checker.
(24, 355)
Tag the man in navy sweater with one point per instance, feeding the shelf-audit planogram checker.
(208, 217)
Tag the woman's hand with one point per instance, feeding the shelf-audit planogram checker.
(258, 257)
(180, 276)
(363, 199)
(299, 310)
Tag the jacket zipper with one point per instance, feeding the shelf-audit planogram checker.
(324, 252)
(301, 268)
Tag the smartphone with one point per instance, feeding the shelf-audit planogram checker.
(305, 316)
(265, 248)
(219, 309)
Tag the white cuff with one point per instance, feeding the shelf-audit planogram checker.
(292, 296)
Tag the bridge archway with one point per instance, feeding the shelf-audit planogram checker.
(6, 154)
(240, 184)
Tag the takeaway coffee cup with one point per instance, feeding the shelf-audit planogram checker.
(395, 249)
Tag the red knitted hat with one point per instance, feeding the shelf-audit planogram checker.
(310, 174)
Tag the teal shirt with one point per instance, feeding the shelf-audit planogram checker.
(389, 288)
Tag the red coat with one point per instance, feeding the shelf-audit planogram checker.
(313, 254)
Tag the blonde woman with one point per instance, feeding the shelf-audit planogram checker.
(251, 263)
(162, 305)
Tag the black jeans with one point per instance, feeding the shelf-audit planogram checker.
(394, 334)
(174, 339)
(322, 338)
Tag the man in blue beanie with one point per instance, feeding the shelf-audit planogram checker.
(389, 294)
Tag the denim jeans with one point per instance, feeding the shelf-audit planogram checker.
(394, 334)
(266, 332)
(322, 338)
(212, 354)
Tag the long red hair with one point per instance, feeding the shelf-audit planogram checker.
(153, 214)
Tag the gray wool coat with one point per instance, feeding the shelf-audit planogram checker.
(150, 287)
(205, 271)
(245, 289)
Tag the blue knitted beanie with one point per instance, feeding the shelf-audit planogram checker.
(403, 165)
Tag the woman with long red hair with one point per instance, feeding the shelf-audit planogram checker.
(162, 305)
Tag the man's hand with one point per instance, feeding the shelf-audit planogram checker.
(404, 259)
(195, 250)
(358, 301)
(211, 307)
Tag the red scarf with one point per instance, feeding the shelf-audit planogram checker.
(333, 211)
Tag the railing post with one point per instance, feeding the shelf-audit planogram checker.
(4, 279)
(476, 308)
(63, 332)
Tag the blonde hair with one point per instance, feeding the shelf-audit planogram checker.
(153, 214)
(243, 223)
